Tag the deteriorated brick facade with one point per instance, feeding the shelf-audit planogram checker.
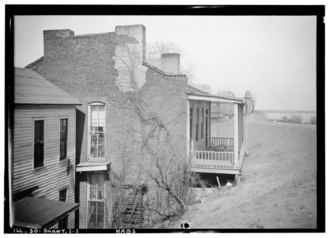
(85, 67)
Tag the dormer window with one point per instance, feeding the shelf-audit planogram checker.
(96, 129)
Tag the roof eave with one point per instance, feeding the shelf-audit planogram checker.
(212, 98)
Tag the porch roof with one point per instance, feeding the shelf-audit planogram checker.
(38, 213)
(214, 98)
(93, 166)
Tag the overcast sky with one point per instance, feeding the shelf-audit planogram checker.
(272, 56)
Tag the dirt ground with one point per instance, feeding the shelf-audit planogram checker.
(279, 183)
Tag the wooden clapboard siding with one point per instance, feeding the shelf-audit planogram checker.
(53, 176)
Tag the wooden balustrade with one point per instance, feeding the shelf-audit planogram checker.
(223, 142)
(212, 159)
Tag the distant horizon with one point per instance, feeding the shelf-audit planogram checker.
(285, 111)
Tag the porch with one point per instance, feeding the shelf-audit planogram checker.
(215, 153)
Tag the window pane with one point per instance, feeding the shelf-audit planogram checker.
(38, 143)
(97, 129)
(38, 131)
(101, 115)
(101, 145)
(100, 193)
(63, 224)
(92, 193)
(96, 215)
(63, 149)
(92, 208)
(94, 116)
(63, 138)
(100, 221)
(62, 196)
(100, 208)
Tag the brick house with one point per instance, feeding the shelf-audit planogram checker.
(43, 161)
(131, 113)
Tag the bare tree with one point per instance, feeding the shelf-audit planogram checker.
(156, 49)
(168, 176)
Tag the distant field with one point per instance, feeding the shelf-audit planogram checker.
(279, 115)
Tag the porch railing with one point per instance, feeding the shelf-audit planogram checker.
(223, 142)
(212, 159)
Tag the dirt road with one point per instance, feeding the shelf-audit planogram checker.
(279, 190)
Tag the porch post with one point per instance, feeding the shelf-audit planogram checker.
(188, 130)
(245, 131)
(236, 135)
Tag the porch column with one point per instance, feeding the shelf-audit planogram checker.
(236, 138)
(188, 130)
(245, 130)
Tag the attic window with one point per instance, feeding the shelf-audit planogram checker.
(96, 130)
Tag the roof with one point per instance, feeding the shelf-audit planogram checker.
(193, 90)
(213, 98)
(32, 88)
(38, 213)
(36, 62)
(161, 71)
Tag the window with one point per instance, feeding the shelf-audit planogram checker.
(190, 125)
(96, 201)
(63, 138)
(38, 143)
(96, 130)
(63, 223)
(197, 123)
(202, 125)
(206, 126)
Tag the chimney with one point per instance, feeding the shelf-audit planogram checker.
(50, 38)
(138, 32)
(170, 63)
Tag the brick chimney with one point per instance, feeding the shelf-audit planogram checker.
(50, 38)
(138, 32)
(170, 63)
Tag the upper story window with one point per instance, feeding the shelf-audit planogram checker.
(38, 160)
(63, 138)
(96, 130)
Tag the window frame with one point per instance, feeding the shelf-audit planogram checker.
(96, 200)
(89, 131)
(67, 138)
(33, 142)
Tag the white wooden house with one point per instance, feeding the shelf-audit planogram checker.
(43, 154)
